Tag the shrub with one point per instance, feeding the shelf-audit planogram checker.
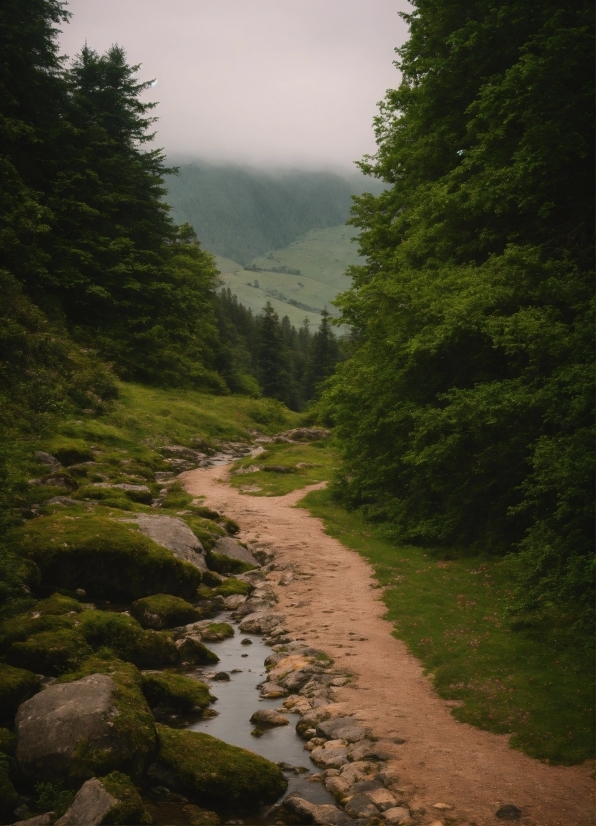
(128, 640)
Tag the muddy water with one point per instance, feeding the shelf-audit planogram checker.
(239, 698)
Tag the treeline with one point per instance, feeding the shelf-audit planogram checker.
(263, 353)
(466, 413)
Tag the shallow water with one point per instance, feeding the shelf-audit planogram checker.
(239, 698)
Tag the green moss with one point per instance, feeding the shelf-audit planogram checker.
(16, 686)
(8, 794)
(233, 586)
(70, 451)
(176, 497)
(206, 531)
(109, 559)
(134, 721)
(217, 631)
(128, 640)
(109, 497)
(8, 741)
(129, 808)
(50, 652)
(225, 565)
(58, 604)
(215, 773)
(193, 651)
(163, 611)
(175, 691)
(23, 626)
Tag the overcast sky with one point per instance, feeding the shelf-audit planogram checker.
(275, 82)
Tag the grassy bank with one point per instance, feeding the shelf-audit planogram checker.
(285, 467)
(535, 684)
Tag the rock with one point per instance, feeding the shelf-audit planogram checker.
(382, 798)
(342, 728)
(40, 820)
(444, 807)
(306, 434)
(396, 816)
(337, 786)
(70, 730)
(163, 611)
(508, 812)
(234, 601)
(175, 535)
(90, 806)
(312, 813)
(330, 758)
(260, 623)
(360, 806)
(367, 750)
(268, 717)
(311, 719)
(181, 452)
(222, 676)
(226, 546)
(353, 772)
(48, 459)
(65, 501)
(200, 817)
(246, 641)
(269, 691)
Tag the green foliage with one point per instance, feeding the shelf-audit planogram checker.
(310, 462)
(107, 558)
(129, 808)
(465, 412)
(176, 691)
(16, 686)
(8, 741)
(53, 797)
(50, 652)
(216, 773)
(533, 683)
(8, 794)
(163, 611)
(225, 565)
(125, 637)
(233, 586)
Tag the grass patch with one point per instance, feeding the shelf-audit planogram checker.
(536, 684)
(16, 686)
(307, 464)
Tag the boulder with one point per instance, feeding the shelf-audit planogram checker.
(48, 459)
(397, 816)
(71, 731)
(342, 728)
(308, 812)
(270, 691)
(90, 806)
(260, 623)
(226, 546)
(39, 820)
(212, 773)
(330, 757)
(192, 650)
(163, 611)
(175, 535)
(234, 601)
(360, 805)
(306, 434)
(268, 717)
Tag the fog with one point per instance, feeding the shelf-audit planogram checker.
(264, 82)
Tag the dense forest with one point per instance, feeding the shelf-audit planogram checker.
(242, 213)
(466, 413)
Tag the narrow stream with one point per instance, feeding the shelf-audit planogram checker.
(239, 698)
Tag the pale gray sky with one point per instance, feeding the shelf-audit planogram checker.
(275, 82)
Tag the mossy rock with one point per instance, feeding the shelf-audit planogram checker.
(163, 611)
(176, 691)
(8, 741)
(226, 565)
(23, 626)
(217, 631)
(8, 794)
(16, 686)
(129, 808)
(233, 586)
(134, 722)
(194, 652)
(213, 773)
(128, 640)
(107, 558)
(50, 652)
(71, 452)
(58, 604)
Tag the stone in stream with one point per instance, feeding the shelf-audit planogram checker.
(268, 717)
(260, 623)
(270, 691)
(55, 725)
(342, 728)
(234, 601)
(311, 719)
(175, 535)
(226, 546)
(332, 755)
(308, 812)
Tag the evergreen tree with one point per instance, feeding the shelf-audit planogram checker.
(465, 412)
(322, 358)
(271, 368)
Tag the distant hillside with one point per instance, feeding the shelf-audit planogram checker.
(241, 212)
(299, 280)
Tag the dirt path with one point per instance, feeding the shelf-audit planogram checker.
(442, 759)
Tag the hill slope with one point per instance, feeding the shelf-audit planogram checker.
(240, 212)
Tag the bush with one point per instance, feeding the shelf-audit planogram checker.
(8, 794)
(217, 774)
(52, 797)
(50, 652)
(128, 640)
(16, 686)
(175, 691)
(107, 558)
(163, 611)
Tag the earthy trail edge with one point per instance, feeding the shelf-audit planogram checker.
(442, 759)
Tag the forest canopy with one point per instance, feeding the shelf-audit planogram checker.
(466, 413)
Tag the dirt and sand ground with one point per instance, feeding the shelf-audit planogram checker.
(340, 611)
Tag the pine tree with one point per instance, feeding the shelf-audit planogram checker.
(322, 358)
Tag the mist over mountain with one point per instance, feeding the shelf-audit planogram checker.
(243, 212)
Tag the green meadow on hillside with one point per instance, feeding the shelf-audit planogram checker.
(322, 257)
